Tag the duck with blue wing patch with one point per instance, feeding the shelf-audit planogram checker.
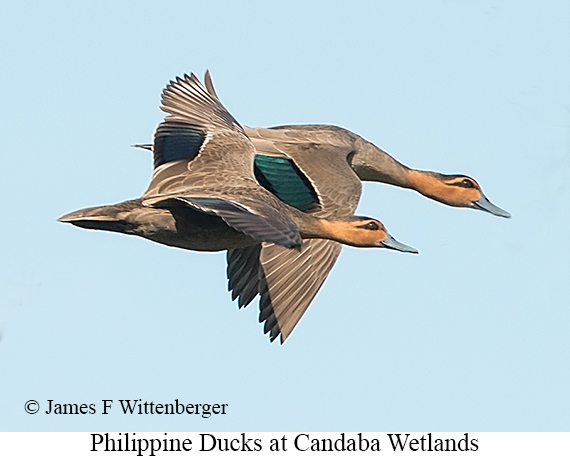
(204, 196)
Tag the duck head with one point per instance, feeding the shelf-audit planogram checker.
(363, 232)
(454, 190)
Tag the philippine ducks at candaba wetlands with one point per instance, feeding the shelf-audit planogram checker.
(204, 195)
(334, 160)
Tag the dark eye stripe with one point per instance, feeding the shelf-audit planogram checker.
(465, 183)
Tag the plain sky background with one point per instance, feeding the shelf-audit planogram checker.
(472, 334)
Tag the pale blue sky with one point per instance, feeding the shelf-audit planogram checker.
(472, 334)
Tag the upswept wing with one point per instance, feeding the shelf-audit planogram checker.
(198, 146)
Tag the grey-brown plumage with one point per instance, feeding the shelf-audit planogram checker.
(204, 195)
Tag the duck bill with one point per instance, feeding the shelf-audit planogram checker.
(485, 205)
(392, 243)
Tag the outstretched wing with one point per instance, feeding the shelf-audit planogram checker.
(289, 283)
(287, 280)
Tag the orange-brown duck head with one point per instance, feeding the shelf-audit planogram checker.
(453, 190)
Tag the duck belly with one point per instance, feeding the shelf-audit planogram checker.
(187, 228)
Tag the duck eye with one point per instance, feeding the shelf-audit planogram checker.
(467, 183)
(371, 226)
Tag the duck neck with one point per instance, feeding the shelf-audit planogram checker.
(330, 229)
(373, 164)
(426, 183)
